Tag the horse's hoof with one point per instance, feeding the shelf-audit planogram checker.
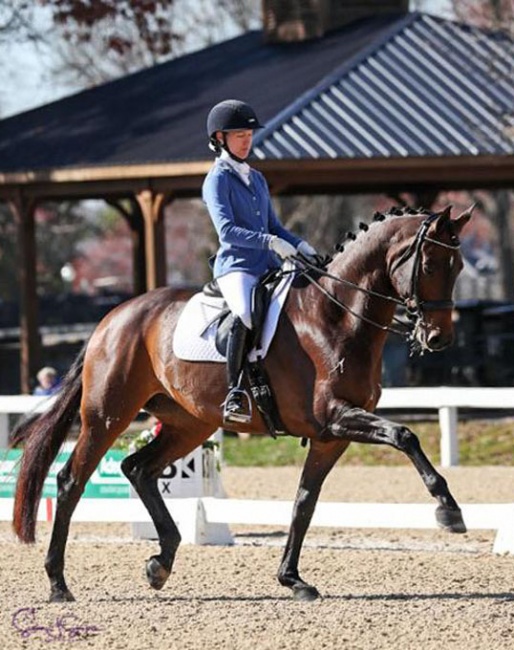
(61, 597)
(450, 520)
(306, 593)
(156, 573)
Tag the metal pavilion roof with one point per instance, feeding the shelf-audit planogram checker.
(158, 115)
(400, 86)
(430, 87)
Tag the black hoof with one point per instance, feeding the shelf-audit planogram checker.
(306, 593)
(450, 520)
(156, 573)
(61, 597)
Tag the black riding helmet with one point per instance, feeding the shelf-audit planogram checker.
(230, 115)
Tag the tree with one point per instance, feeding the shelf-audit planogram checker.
(93, 41)
(493, 14)
(323, 221)
(17, 21)
(60, 229)
(117, 46)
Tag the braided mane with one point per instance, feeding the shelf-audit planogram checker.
(395, 211)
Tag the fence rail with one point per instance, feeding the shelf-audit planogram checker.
(447, 400)
(194, 516)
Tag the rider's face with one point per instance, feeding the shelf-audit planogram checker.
(240, 142)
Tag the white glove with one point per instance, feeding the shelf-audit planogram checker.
(282, 248)
(307, 250)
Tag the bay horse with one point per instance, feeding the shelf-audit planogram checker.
(324, 362)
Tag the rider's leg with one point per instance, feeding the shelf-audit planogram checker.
(236, 288)
(236, 406)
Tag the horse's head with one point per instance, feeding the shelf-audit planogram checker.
(424, 262)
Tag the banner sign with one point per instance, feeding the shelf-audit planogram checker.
(107, 481)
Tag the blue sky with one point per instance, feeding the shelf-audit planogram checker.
(25, 80)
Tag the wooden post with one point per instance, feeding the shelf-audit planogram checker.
(134, 217)
(152, 207)
(506, 247)
(23, 211)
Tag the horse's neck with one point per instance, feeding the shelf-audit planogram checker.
(365, 268)
(335, 324)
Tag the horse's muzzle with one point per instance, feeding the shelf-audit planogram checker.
(437, 340)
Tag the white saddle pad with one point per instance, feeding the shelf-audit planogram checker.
(194, 338)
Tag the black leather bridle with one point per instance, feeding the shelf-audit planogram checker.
(413, 305)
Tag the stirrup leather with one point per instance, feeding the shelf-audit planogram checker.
(234, 407)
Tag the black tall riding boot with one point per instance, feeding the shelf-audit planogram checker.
(237, 404)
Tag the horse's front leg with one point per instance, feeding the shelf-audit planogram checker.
(143, 469)
(321, 458)
(140, 470)
(358, 425)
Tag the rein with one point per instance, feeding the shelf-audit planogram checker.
(413, 305)
(332, 298)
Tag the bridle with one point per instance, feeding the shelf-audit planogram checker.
(413, 305)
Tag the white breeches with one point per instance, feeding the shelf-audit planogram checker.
(236, 288)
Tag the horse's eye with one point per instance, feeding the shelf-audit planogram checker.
(428, 268)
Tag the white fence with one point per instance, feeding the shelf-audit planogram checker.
(198, 517)
(446, 400)
(18, 405)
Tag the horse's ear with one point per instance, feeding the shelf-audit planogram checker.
(459, 222)
(443, 219)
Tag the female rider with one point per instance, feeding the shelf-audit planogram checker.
(252, 239)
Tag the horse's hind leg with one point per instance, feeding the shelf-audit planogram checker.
(320, 460)
(93, 442)
(68, 495)
(361, 426)
(144, 467)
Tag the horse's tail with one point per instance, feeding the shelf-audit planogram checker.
(43, 436)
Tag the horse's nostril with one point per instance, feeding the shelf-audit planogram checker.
(436, 340)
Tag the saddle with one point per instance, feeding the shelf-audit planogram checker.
(254, 371)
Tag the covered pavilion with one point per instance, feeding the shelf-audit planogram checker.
(388, 103)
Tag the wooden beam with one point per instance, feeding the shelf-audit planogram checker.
(308, 176)
(386, 175)
(183, 187)
(23, 211)
(152, 208)
(108, 172)
(131, 212)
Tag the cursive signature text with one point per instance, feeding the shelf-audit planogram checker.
(65, 627)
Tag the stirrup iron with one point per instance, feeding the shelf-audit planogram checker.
(234, 416)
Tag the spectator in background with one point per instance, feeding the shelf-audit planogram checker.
(48, 381)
